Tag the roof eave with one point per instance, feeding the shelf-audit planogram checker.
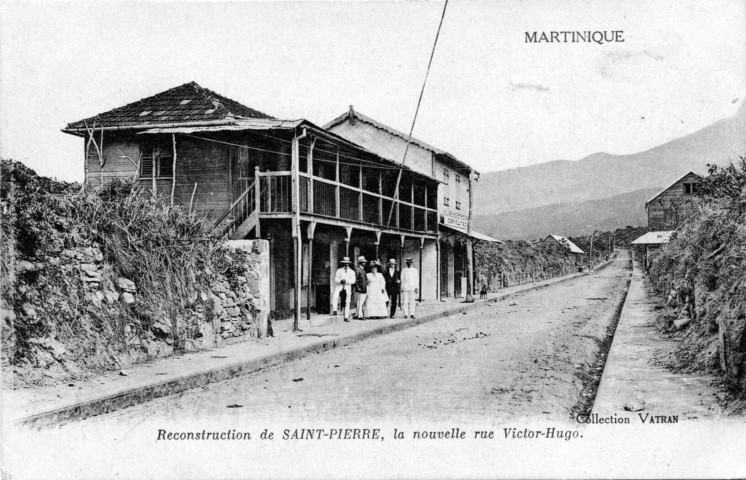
(82, 130)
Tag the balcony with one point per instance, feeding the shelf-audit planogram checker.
(320, 197)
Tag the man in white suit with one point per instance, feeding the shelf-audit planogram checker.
(343, 280)
(410, 282)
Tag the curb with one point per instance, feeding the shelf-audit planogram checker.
(584, 408)
(137, 395)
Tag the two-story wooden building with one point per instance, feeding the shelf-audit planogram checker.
(315, 195)
(455, 184)
(674, 204)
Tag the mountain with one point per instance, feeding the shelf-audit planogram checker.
(602, 175)
(569, 219)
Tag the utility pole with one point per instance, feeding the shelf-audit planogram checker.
(590, 254)
(469, 250)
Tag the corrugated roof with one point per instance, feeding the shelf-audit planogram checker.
(567, 243)
(364, 118)
(186, 103)
(654, 238)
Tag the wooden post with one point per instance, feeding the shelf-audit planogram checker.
(257, 200)
(411, 209)
(101, 158)
(377, 244)
(360, 185)
(173, 169)
(469, 249)
(590, 254)
(348, 230)
(337, 210)
(297, 248)
(401, 250)
(438, 266)
(380, 199)
(422, 244)
(401, 259)
(152, 177)
(309, 233)
(310, 174)
(85, 165)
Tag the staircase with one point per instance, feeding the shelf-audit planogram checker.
(241, 217)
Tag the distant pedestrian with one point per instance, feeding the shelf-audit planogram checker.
(393, 282)
(483, 291)
(410, 280)
(344, 279)
(361, 287)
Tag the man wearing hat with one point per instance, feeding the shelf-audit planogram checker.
(344, 279)
(410, 282)
(391, 275)
(361, 287)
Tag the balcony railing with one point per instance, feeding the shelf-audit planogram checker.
(322, 197)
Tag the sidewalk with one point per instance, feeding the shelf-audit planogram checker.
(635, 375)
(167, 376)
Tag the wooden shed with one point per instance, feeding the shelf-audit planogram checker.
(674, 204)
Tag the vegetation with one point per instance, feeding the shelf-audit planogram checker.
(703, 271)
(91, 277)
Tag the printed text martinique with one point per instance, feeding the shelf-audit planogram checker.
(586, 36)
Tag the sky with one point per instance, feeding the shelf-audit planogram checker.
(492, 100)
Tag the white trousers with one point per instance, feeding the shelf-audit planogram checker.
(335, 299)
(408, 298)
(360, 301)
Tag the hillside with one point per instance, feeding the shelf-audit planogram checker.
(602, 175)
(569, 219)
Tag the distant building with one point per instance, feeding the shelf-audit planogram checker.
(674, 204)
(455, 181)
(650, 242)
(564, 244)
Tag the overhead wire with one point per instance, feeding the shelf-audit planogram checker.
(419, 101)
(372, 165)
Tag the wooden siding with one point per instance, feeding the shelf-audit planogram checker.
(198, 161)
(116, 148)
(671, 207)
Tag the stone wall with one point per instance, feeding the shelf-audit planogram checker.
(240, 304)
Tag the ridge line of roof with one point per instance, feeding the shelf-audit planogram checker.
(669, 186)
(365, 118)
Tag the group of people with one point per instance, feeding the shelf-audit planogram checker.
(377, 288)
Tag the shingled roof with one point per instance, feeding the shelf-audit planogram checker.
(186, 103)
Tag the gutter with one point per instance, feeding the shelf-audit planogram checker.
(81, 131)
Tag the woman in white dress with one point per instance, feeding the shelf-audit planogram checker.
(375, 303)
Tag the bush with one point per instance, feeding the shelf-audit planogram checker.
(706, 260)
(50, 228)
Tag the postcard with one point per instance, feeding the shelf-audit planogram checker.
(384, 239)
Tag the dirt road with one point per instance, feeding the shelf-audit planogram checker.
(519, 357)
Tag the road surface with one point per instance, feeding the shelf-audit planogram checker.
(524, 356)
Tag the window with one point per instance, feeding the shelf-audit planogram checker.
(458, 205)
(446, 201)
(690, 188)
(458, 179)
(446, 175)
(157, 157)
